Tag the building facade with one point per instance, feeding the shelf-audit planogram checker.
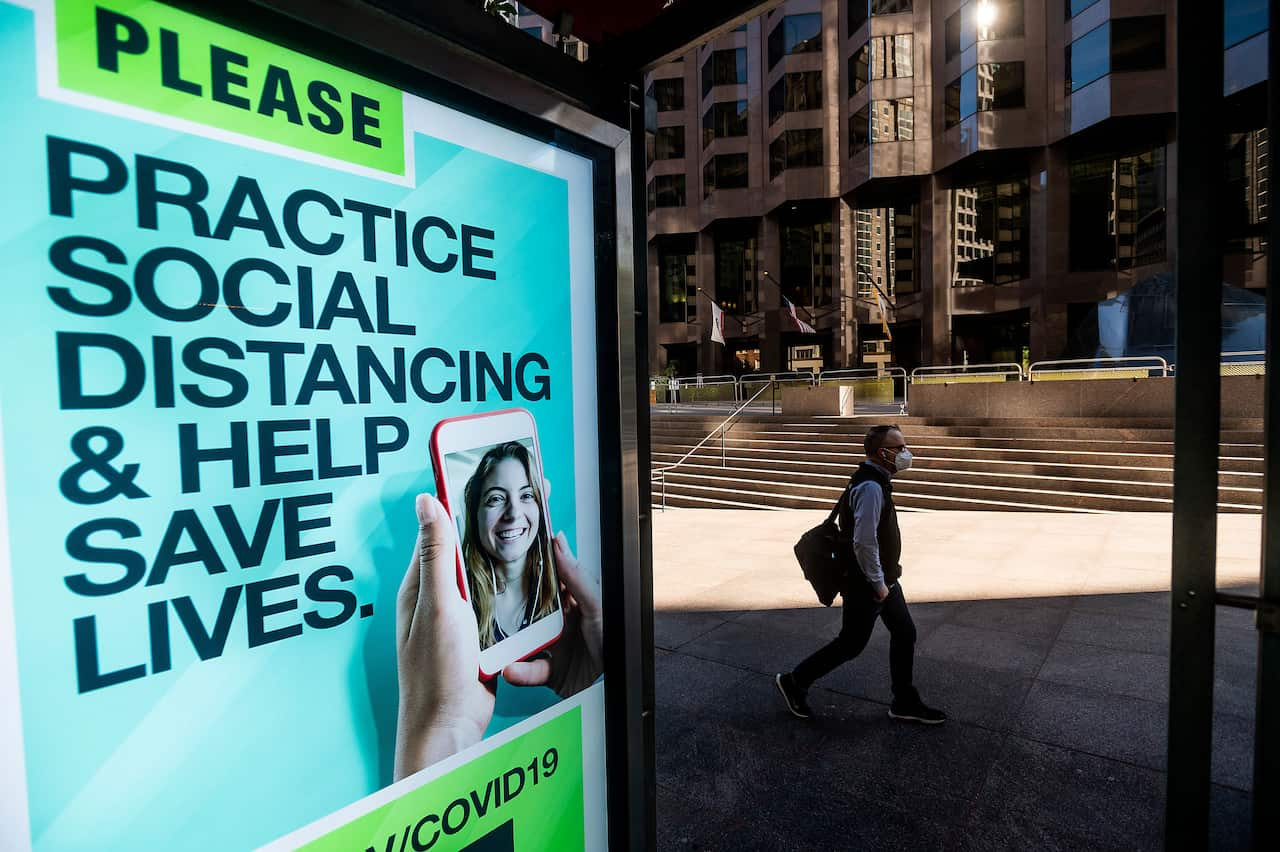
(931, 182)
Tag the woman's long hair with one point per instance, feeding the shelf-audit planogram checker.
(481, 573)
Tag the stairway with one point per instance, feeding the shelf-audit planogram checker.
(1044, 465)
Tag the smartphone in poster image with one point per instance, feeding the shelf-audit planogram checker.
(489, 475)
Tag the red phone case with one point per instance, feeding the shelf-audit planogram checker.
(437, 463)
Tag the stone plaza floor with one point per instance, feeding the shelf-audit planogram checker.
(1044, 637)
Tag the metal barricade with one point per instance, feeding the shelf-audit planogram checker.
(1252, 363)
(875, 388)
(1077, 369)
(749, 383)
(948, 374)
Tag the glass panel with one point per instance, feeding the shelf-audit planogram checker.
(951, 36)
(1001, 86)
(736, 274)
(1090, 241)
(669, 94)
(999, 19)
(669, 190)
(669, 143)
(1137, 44)
(1140, 209)
(990, 231)
(901, 250)
(1244, 20)
(892, 121)
(803, 91)
(777, 157)
(795, 34)
(777, 101)
(677, 278)
(730, 171)
(859, 133)
(890, 56)
(1247, 197)
(1088, 57)
(728, 118)
(890, 7)
(951, 104)
(857, 14)
(968, 93)
(859, 69)
(1075, 7)
(808, 263)
(724, 68)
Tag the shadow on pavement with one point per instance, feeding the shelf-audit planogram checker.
(1056, 739)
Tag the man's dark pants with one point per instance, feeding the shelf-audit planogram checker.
(860, 611)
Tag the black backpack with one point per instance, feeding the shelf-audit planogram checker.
(825, 554)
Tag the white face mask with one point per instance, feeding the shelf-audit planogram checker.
(902, 461)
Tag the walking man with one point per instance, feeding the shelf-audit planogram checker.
(871, 588)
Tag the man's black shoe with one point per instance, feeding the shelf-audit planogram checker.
(793, 695)
(916, 711)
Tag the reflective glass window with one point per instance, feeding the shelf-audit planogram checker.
(668, 93)
(1137, 44)
(1089, 57)
(893, 121)
(795, 34)
(724, 68)
(728, 118)
(1244, 20)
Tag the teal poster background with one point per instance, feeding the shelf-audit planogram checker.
(257, 741)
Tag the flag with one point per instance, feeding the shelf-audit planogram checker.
(884, 322)
(717, 323)
(800, 324)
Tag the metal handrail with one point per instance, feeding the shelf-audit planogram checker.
(942, 371)
(660, 473)
(1153, 362)
(793, 376)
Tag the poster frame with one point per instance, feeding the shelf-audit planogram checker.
(366, 40)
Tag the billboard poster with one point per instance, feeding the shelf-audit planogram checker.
(300, 520)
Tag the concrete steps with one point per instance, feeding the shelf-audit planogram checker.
(1067, 465)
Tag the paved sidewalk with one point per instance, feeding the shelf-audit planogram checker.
(1044, 636)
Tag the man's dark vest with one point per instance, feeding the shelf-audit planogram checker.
(887, 534)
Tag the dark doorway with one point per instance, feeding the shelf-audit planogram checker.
(998, 338)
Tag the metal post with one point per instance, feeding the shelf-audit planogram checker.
(773, 394)
(1197, 402)
(722, 459)
(1266, 755)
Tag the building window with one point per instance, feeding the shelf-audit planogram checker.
(1001, 85)
(536, 32)
(893, 121)
(951, 36)
(723, 120)
(724, 68)
(724, 171)
(860, 10)
(795, 149)
(807, 271)
(668, 93)
(1121, 44)
(677, 278)
(1137, 44)
(736, 285)
(1248, 199)
(1244, 20)
(990, 233)
(666, 191)
(1117, 211)
(859, 130)
(997, 19)
(795, 34)
(667, 144)
(881, 57)
(1075, 7)
(795, 93)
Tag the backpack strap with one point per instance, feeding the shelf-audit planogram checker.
(835, 510)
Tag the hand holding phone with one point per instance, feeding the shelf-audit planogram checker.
(444, 708)
(489, 474)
